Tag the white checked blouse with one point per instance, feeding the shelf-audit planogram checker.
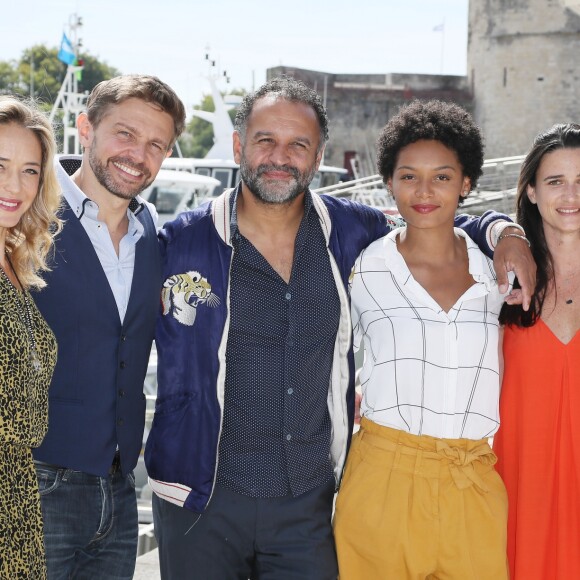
(426, 371)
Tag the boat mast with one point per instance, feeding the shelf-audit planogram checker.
(220, 120)
(69, 99)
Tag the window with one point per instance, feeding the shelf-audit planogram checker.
(225, 177)
(166, 200)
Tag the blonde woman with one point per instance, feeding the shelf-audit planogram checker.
(29, 199)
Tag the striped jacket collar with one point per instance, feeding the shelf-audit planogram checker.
(220, 211)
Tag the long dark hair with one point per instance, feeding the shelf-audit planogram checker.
(561, 136)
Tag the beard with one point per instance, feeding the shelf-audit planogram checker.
(106, 179)
(272, 192)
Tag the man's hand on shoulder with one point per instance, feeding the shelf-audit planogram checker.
(512, 254)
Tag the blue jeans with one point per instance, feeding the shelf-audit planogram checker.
(90, 524)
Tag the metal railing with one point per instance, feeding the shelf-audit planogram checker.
(500, 174)
(495, 189)
(347, 187)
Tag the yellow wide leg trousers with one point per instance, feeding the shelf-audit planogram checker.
(418, 507)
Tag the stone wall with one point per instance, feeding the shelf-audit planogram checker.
(359, 105)
(523, 69)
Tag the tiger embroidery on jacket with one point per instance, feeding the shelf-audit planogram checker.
(183, 293)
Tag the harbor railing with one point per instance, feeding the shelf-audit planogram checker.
(495, 189)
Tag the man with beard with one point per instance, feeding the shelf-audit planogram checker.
(101, 301)
(255, 367)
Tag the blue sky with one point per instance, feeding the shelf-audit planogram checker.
(168, 38)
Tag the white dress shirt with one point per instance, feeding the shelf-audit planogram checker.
(426, 371)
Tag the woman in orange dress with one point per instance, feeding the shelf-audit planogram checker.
(538, 443)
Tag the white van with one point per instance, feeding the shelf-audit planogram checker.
(173, 192)
(224, 170)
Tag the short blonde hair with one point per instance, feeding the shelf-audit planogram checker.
(30, 241)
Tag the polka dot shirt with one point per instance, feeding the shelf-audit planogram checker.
(275, 438)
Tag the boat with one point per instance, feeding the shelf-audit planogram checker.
(174, 192)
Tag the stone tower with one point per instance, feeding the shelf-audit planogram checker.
(523, 64)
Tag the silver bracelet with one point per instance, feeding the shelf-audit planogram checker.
(519, 236)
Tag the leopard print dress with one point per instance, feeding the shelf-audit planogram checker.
(23, 424)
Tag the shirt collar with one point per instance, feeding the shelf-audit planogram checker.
(234, 208)
(80, 204)
(480, 267)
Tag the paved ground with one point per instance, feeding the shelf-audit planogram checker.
(147, 567)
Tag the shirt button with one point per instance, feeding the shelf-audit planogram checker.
(119, 421)
(290, 391)
(288, 437)
(288, 295)
(121, 393)
(122, 364)
(123, 337)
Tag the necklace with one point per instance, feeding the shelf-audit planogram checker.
(25, 316)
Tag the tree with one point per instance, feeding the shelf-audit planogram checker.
(95, 71)
(39, 73)
(8, 78)
(197, 139)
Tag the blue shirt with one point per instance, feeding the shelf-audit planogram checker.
(276, 429)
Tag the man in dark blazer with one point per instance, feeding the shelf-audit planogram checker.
(101, 301)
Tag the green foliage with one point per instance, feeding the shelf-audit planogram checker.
(95, 71)
(197, 139)
(47, 73)
(39, 73)
(8, 77)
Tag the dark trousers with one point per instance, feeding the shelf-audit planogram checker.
(239, 537)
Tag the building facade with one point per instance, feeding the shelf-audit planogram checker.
(359, 106)
(523, 67)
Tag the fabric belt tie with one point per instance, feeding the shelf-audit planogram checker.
(461, 467)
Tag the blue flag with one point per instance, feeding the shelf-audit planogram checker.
(66, 52)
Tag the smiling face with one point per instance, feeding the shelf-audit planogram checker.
(427, 183)
(279, 155)
(126, 149)
(20, 170)
(557, 190)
